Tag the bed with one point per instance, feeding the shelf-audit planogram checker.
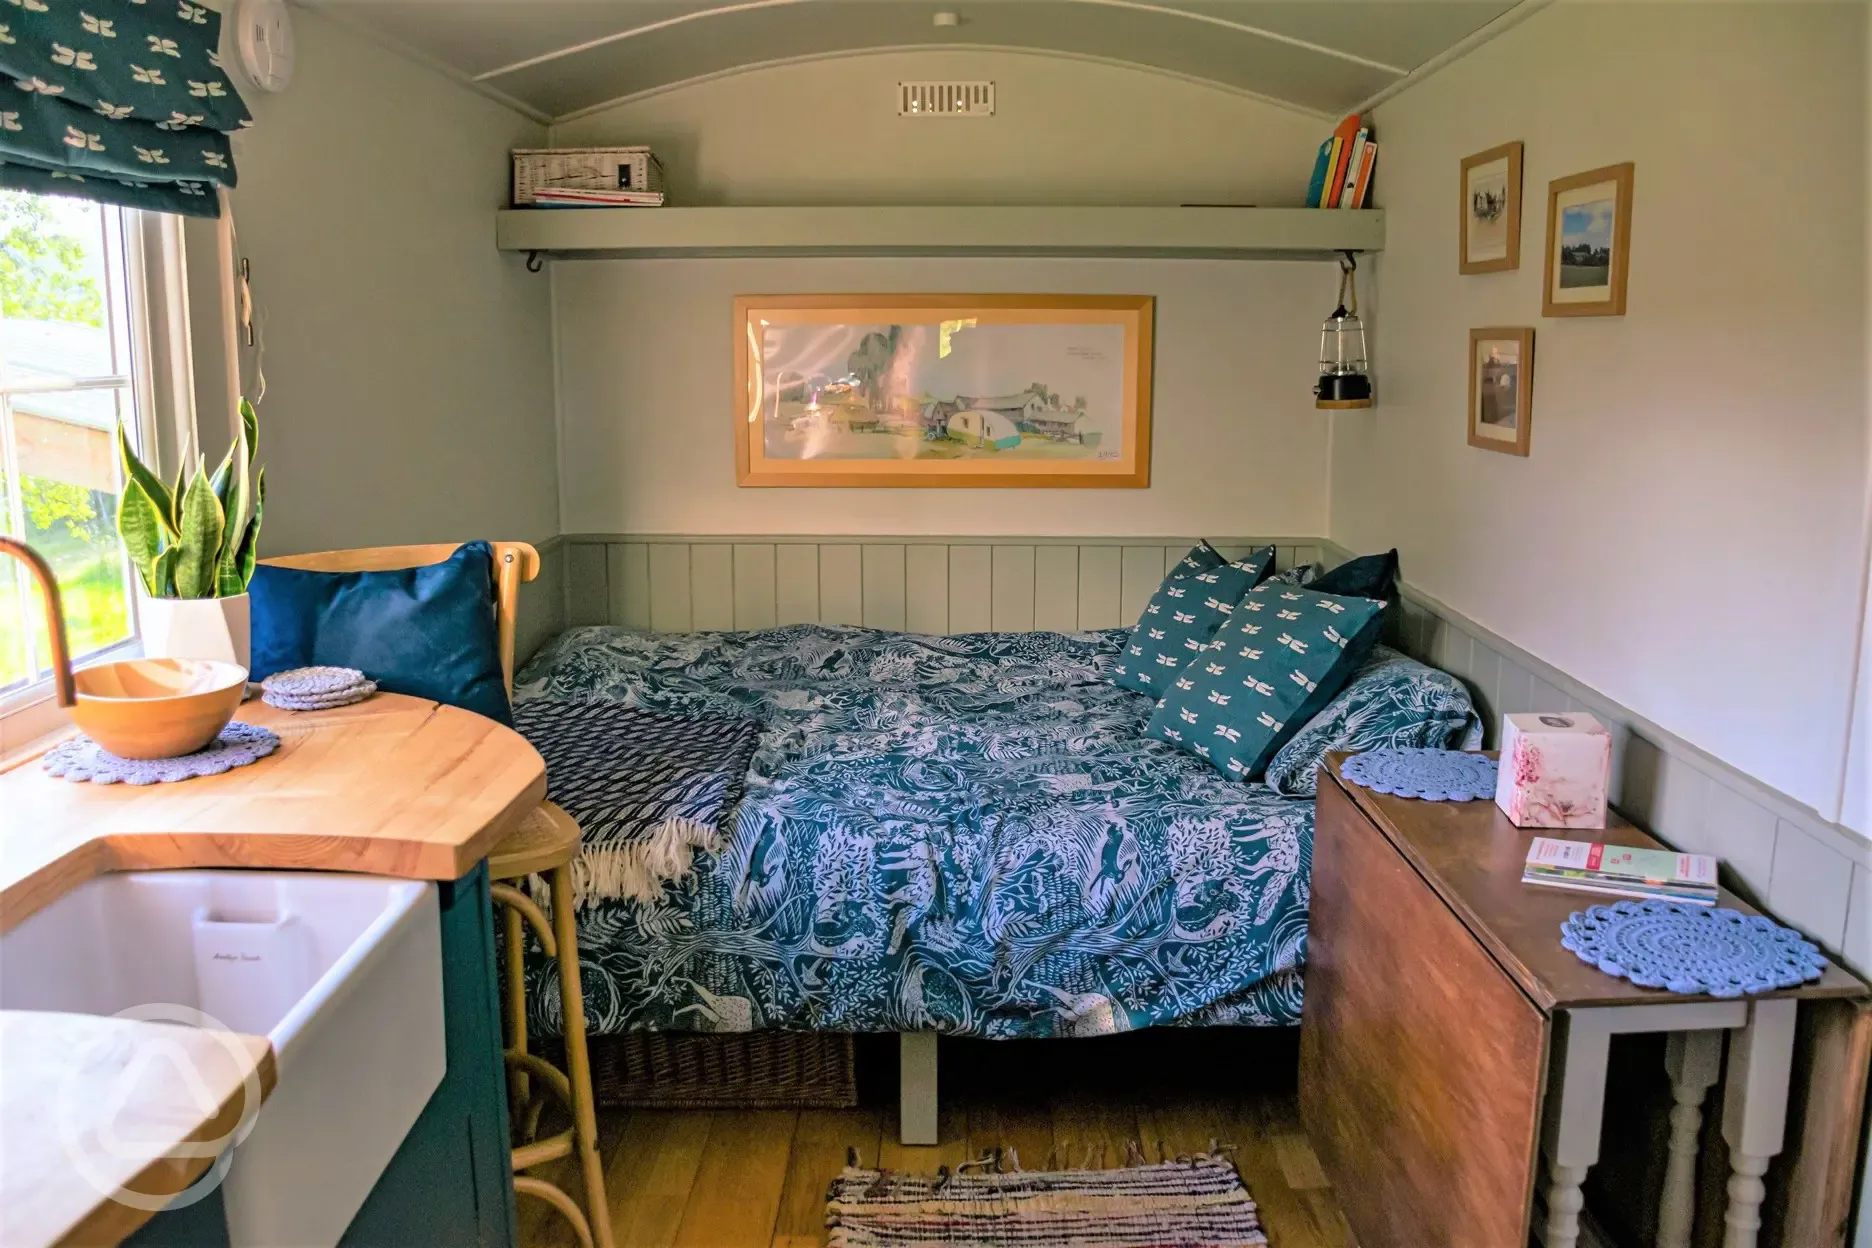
(963, 834)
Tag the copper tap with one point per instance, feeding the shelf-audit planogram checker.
(54, 616)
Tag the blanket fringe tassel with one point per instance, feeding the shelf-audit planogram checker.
(636, 871)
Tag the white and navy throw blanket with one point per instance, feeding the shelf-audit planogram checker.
(647, 789)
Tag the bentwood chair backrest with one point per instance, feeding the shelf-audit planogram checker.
(514, 564)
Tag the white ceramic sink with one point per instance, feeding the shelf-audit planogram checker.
(343, 973)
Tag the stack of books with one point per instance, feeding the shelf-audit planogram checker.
(1590, 867)
(1342, 172)
(572, 197)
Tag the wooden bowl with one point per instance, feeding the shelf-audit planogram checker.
(157, 708)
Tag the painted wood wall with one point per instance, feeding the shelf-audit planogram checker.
(1812, 873)
(924, 585)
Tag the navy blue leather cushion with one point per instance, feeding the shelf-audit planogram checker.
(428, 632)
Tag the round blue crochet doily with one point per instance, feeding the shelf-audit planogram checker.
(239, 744)
(1433, 775)
(1691, 949)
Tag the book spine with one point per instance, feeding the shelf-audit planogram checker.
(1645, 894)
(1621, 877)
(1316, 185)
(1362, 191)
(1329, 191)
(1348, 181)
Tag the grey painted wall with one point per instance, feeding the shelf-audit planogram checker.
(1688, 533)
(409, 389)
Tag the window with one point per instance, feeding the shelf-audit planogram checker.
(73, 339)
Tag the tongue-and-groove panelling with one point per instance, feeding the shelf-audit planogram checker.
(918, 584)
(1812, 873)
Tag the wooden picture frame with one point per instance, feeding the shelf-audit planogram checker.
(886, 390)
(1589, 212)
(1501, 389)
(1489, 229)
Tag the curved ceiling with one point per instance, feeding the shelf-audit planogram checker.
(556, 58)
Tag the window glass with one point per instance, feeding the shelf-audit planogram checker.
(66, 380)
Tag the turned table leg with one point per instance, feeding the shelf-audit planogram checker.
(1570, 1127)
(1694, 1060)
(1755, 1112)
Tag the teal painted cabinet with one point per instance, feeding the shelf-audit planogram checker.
(449, 1185)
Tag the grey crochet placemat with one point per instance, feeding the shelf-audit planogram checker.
(82, 759)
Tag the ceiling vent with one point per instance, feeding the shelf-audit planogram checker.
(945, 99)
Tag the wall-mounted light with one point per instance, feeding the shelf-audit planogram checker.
(1344, 371)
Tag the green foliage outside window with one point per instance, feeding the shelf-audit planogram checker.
(42, 275)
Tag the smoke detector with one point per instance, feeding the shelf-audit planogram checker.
(945, 99)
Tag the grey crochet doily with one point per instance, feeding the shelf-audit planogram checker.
(1427, 774)
(82, 759)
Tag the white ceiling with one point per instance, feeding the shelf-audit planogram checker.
(554, 58)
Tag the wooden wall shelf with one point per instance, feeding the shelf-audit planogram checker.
(1151, 233)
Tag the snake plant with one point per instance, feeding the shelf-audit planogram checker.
(197, 538)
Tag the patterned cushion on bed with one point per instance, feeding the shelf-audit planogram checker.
(1202, 556)
(1280, 658)
(1391, 701)
(1299, 574)
(1182, 616)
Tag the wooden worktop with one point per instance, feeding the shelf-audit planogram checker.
(394, 786)
(70, 1081)
(1471, 855)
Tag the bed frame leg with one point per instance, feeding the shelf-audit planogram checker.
(916, 1114)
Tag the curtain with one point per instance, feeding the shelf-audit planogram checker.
(121, 101)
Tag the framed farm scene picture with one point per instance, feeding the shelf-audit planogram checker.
(1036, 391)
(1588, 242)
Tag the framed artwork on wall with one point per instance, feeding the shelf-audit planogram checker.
(1003, 391)
(1501, 389)
(1491, 210)
(1588, 243)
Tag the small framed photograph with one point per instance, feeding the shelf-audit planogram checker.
(1491, 210)
(1588, 243)
(1501, 389)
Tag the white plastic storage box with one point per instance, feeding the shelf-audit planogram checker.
(584, 169)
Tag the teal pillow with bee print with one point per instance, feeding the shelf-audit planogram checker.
(1281, 657)
(1184, 614)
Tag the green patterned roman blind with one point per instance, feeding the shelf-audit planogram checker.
(122, 101)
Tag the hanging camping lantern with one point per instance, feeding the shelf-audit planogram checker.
(1344, 374)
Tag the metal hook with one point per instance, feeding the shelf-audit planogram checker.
(1350, 262)
(534, 262)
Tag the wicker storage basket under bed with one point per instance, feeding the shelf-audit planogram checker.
(757, 1069)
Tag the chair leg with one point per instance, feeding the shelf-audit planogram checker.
(513, 971)
(578, 1060)
(526, 1185)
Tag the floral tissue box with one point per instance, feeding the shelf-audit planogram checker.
(1554, 770)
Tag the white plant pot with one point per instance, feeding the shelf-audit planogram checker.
(195, 628)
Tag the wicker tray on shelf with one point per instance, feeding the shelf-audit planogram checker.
(757, 1069)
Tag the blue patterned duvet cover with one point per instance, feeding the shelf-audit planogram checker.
(968, 834)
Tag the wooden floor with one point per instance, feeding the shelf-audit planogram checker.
(753, 1178)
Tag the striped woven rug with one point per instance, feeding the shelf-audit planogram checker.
(1193, 1202)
